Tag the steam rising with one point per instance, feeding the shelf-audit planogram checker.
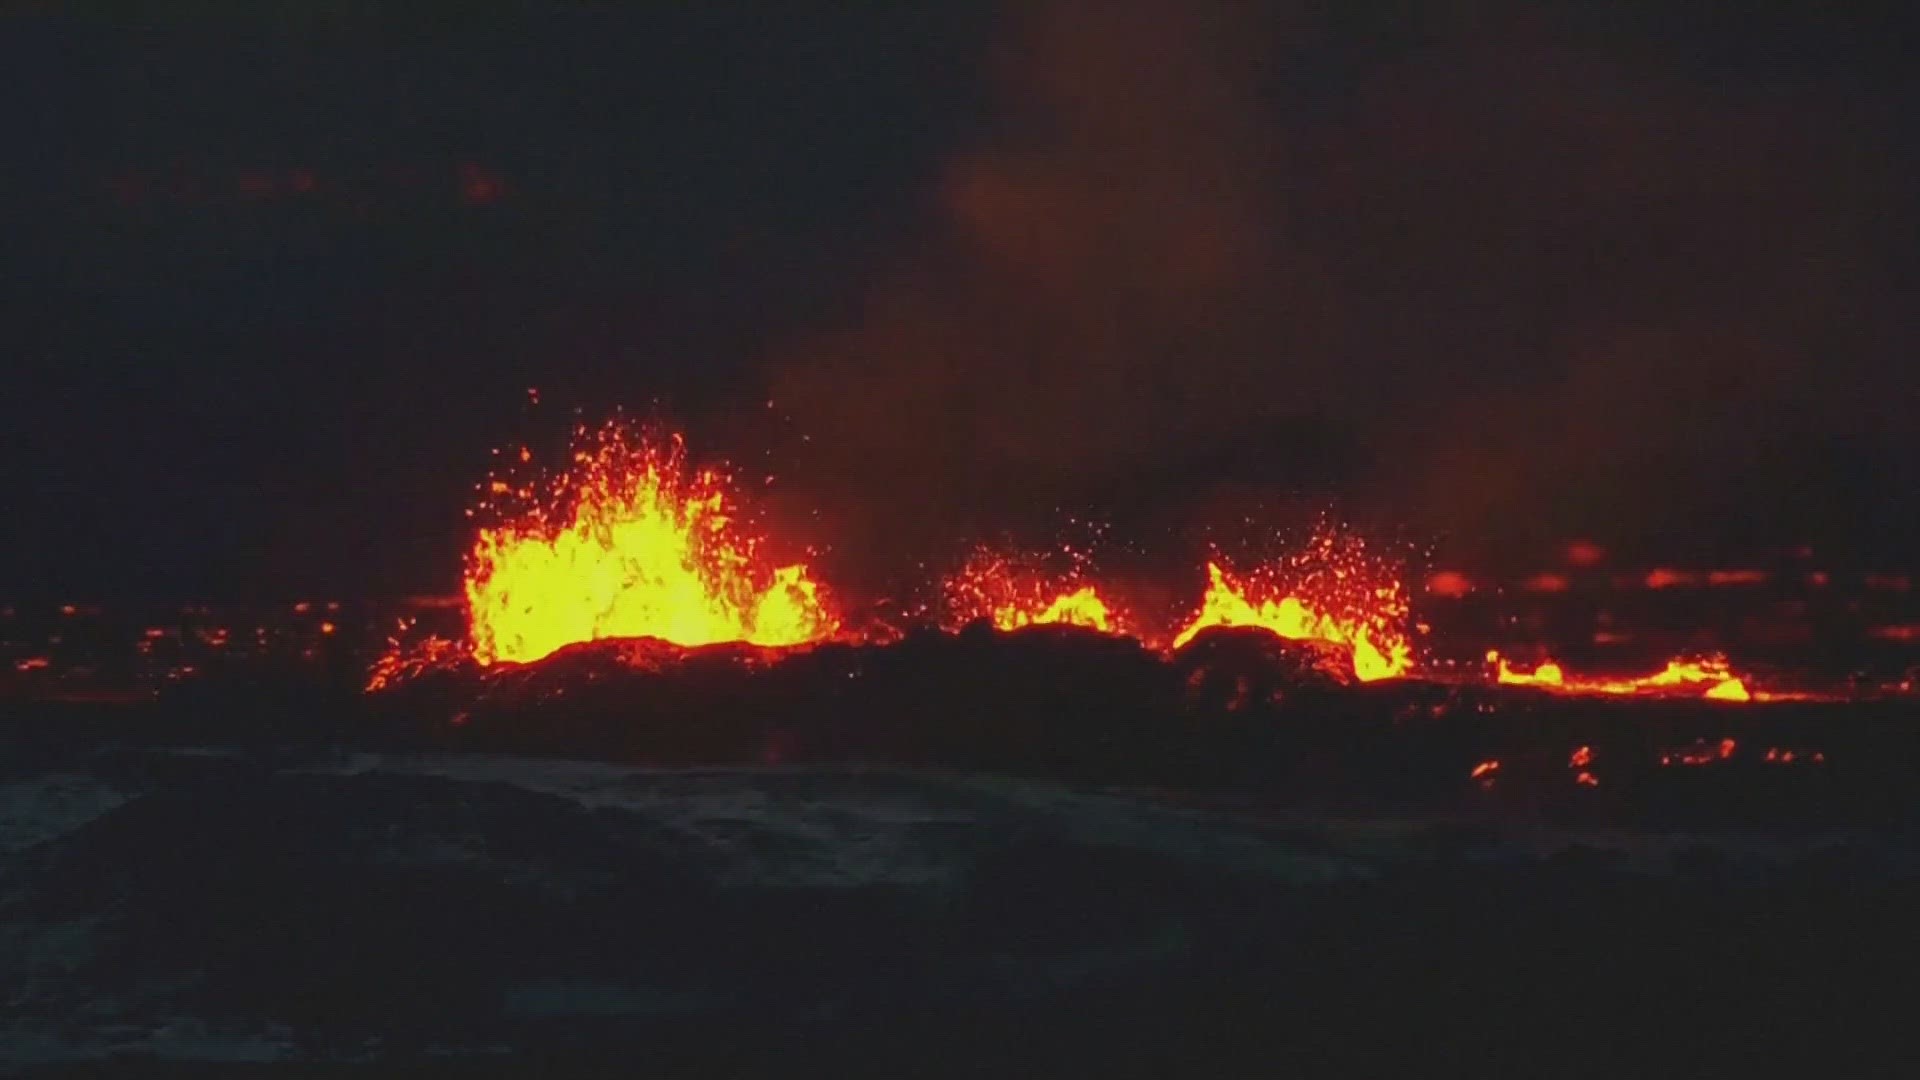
(1491, 275)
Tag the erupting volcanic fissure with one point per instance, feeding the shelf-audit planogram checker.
(1707, 677)
(1332, 593)
(991, 587)
(631, 543)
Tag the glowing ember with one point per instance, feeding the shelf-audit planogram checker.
(1548, 582)
(1335, 598)
(1700, 753)
(631, 544)
(1709, 677)
(1451, 584)
(991, 587)
(1485, 770)
(1585, 553)
(403, 661)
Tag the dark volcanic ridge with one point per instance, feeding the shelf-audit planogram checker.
(405, 907)
(956, 851)
(1239, 717)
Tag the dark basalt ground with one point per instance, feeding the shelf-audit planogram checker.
(1037, 854)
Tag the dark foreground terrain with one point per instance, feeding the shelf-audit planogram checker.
(1045, 854)
(461, 915)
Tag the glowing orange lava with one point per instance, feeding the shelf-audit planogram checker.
(406, 660)
(991, 587)
(1335, 597)
(1700, 753)
(631, 543)
(1709, 677)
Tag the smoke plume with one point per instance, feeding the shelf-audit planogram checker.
(1498, 277)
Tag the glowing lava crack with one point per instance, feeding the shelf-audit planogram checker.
(1708, 677)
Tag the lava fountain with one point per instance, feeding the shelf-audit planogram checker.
(630, 542)
(1331, 594)
(991, 587)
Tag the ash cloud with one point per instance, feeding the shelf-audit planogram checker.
(1499, 276)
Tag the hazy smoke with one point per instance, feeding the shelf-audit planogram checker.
(1502, 280)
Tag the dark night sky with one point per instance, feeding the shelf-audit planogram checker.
(278, 274)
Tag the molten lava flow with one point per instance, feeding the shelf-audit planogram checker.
(631, 544)
(990, 587)
(1709, 677)
(1340, 602)
(1548, 674)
